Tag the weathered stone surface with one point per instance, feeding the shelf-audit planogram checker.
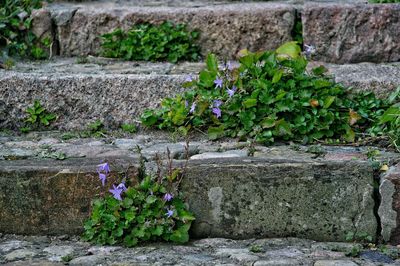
(389, 209)
(83, 98)
(58, 252)
(202, 252)
(244, 198)
(345, 33)
(19, 254)
(225, 29)
(382, 79)
(226, 154)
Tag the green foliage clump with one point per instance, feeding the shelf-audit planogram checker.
(16, 38)
(270, 96)
(38, 117)
(152, 43)
(390, 124)
(150, 209)
(129, 128)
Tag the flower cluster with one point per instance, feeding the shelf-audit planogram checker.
(148, 209)
(220, 82)
(103, 170)
(167, 198)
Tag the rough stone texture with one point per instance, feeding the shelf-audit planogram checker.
(204, 252)
(382, 79)
(225, 29)
(117, 92)
(289, 192)
(345, 33)
(389, 210)
(81, 99)
(268, 198)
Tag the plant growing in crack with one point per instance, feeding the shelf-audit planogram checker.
(139, 209)
(37, 118)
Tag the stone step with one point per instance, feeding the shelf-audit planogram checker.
(234, 190)
(117, 92)
(342, 32)
(44, 250)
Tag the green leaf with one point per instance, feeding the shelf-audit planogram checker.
(212, 63)
(181, 235)
(390, 114)
(282, 128)
(350, 135)
(250, 103)
(151, 199)
(268, 122)
(319, 70)
(207, 78)
(289, 49)
(328, 101)
(129, 215)
(130, 241)
(157, 231)
(394, 95)
(215, 132)
(179, 116)
(148, 118)
(277, 76)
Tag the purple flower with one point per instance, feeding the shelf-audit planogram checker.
(231, 91)
(218, 82)
(217, 103)
(122, 187)
(309, 50)
(103, 178)
(104, 167)
(188, 78)
(192, 108)
(168, 197)
(217, 112)
(186, 104)
(169, 213)
(229, 66)
(116, 192)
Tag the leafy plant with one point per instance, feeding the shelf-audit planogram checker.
(362, 237)
(256, 249)
(144, 208)
(38, 117)
(95, 129)
(270, 96)
(129, 128)
(152, 43)
(16, 38)
(389, 120)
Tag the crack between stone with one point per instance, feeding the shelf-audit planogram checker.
(377, 202)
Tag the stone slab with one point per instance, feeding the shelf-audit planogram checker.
(79, 99)
(281, 192)
(389, 210)
(349, 33)
(245, 198)
(117, 92)
(225, 29)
